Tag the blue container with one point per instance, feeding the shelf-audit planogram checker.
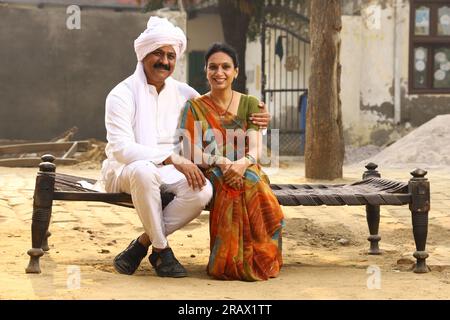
(303, 104)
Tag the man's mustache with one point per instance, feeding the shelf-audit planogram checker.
(161, 66)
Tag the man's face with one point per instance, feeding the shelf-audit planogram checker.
(159, 64)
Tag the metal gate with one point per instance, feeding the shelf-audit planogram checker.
(285, 72)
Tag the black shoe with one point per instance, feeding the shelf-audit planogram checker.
(166, 265)
(129, 260)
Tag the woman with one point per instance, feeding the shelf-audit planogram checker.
(245, 217)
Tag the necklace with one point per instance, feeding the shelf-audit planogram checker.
(222, 115)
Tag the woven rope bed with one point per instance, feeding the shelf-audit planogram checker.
(372, 192)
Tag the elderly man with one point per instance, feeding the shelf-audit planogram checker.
(143, 158)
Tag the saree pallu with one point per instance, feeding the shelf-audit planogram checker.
(245, 225)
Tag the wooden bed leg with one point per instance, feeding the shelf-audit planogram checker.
(419, 188)
(373, 213)
(45, 246)
(42, 210)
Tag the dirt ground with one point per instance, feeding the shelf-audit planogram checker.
(324, 248)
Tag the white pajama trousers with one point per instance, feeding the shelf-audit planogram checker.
(143, 180)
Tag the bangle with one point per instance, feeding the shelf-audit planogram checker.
(251, 159)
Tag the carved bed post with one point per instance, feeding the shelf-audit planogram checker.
(373, 213)
(419, 188)
(45, 246)
(42, 210)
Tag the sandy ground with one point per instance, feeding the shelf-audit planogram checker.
(324, 249)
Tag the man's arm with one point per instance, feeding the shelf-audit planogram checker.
(262, 118)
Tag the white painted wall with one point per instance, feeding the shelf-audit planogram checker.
(367, 58)
(351, 56)
(253, 66)
(403, 20)
(377, 60)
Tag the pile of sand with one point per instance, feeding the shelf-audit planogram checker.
(356, 154)
(426, 146)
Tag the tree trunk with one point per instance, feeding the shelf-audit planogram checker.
(324, 150)
(235, 25)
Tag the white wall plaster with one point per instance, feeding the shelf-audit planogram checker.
(253, 66)
(367, 58)
(377, 63)
(350, 59)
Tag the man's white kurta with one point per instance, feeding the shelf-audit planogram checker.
(145, 131)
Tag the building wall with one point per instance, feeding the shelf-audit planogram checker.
(253, 66)
(368, 82)
(203, 30)
(351, 54)
(53, 78)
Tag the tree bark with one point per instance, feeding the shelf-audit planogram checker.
(235, 25)
(324, 149)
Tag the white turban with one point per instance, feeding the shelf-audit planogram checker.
(160, 32)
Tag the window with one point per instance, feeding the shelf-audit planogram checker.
(429, 61)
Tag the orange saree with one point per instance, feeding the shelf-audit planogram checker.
(246, 224)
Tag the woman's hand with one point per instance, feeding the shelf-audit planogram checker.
(224, 164)
(236, 183)
(234, 176)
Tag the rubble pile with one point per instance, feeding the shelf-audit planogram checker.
(426, 146)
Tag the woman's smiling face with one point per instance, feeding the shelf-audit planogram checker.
(220, 71)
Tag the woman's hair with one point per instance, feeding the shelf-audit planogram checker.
(222, 47)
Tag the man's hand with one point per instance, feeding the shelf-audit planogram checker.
(193, 174)
(261, 119)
